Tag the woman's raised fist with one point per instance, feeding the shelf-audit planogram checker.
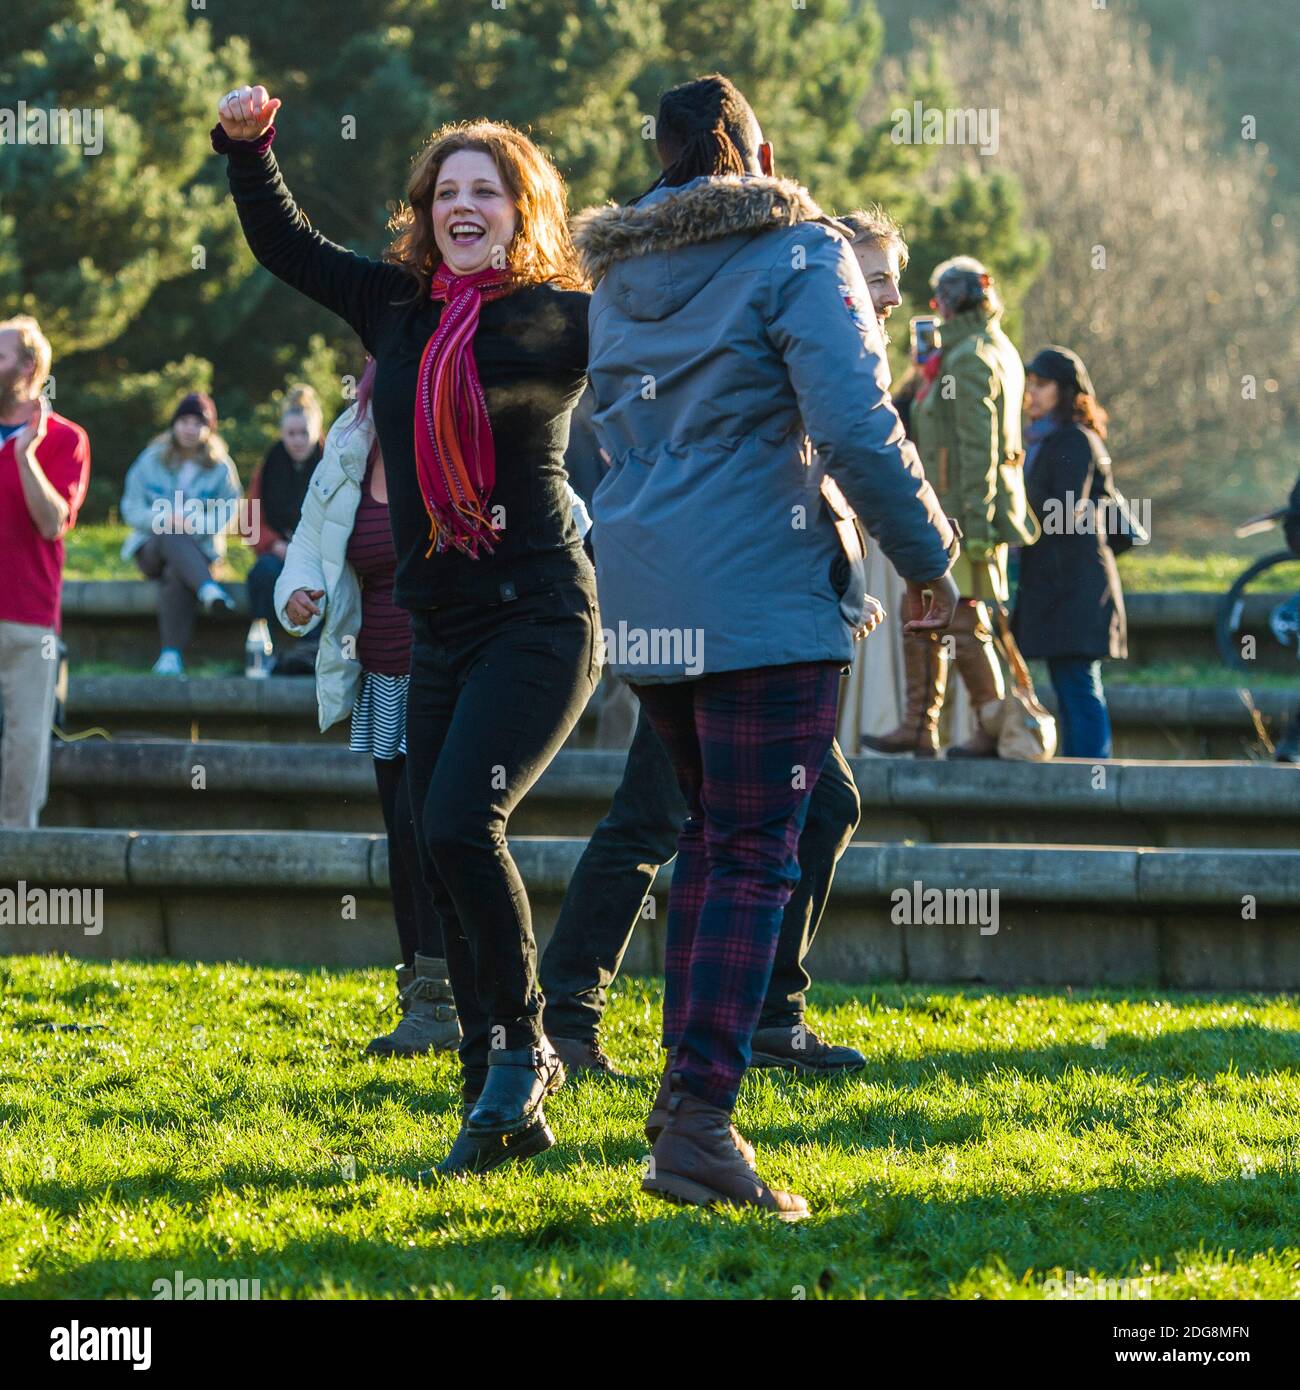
(247, 112)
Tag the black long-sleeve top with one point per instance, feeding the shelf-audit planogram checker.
(531, 352)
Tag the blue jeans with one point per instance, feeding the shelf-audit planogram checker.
(261, 587)
(1082, 716)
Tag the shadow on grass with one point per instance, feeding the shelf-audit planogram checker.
(1174, 1055)
(878, 1242)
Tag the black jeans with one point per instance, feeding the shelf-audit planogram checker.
(495, 690)
(618, 867)
(418, 926)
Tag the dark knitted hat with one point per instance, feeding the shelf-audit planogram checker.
(198, 403)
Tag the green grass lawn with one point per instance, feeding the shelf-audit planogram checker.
(1202, 674)
(93, 551)
(1147, 570)
(221, 1121)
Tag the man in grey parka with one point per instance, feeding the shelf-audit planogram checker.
(741, 395)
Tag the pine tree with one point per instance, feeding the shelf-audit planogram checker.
(133, 261)
(92, 239)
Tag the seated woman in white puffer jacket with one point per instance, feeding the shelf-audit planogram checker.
(338, 573)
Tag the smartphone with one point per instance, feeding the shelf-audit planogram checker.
(925, 337)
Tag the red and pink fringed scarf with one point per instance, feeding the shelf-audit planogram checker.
(455, 460)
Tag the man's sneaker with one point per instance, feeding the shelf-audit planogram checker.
(584, 1057)
(169, 663)
(798, 1048)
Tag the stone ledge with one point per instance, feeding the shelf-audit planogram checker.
(127, 598)
(1206, 789)
(1065, 916)
(1118, 878)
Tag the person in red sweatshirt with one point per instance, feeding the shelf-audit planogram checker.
(44, 468)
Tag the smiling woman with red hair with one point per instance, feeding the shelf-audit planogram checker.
(477, 321)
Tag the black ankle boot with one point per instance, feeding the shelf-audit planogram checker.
(471, 1089)
(518, 1081)
(507, 1121)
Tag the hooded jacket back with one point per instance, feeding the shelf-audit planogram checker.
(736, 361)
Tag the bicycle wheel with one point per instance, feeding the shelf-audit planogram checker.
(1241, 626)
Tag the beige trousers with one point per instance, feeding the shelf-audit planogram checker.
(29, 669)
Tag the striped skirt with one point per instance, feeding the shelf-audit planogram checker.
(379, 716)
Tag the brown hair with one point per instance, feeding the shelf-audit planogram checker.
(875, 227)
(541, 250)
(301, 399)
(212, 451)
(1082, 409)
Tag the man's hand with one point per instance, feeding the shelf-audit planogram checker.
(279, 549)
(938, 613)
(32, 433)
(872, 616)
(247, 112)
(301, 608)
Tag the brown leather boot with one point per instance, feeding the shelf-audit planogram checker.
(658, 1117)
(695, 1160)
(977, 664)
(925, 674)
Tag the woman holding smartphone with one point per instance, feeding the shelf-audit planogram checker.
(477, 321)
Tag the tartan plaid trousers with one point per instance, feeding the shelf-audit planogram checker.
(747, 747)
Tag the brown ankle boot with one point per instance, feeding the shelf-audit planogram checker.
(926, 677)
(658, 1117)
(977, 664)
(695, 1160)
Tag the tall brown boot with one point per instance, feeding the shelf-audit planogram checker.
(977, 664)
(695, 1160)
(925, 674)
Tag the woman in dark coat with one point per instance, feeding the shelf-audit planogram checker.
(480, 358)
(1069, 605)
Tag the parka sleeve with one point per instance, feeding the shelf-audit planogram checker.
(821, 321)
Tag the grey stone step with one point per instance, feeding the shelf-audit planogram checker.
(1161, 722)
(1064, 915)
(115, 620)
(145, 706)
(248, 786)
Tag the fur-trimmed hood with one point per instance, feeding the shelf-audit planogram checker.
(665, 248)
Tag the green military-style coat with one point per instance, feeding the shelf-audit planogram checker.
(967, 430)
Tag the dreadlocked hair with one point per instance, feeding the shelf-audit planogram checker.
(704, 123)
